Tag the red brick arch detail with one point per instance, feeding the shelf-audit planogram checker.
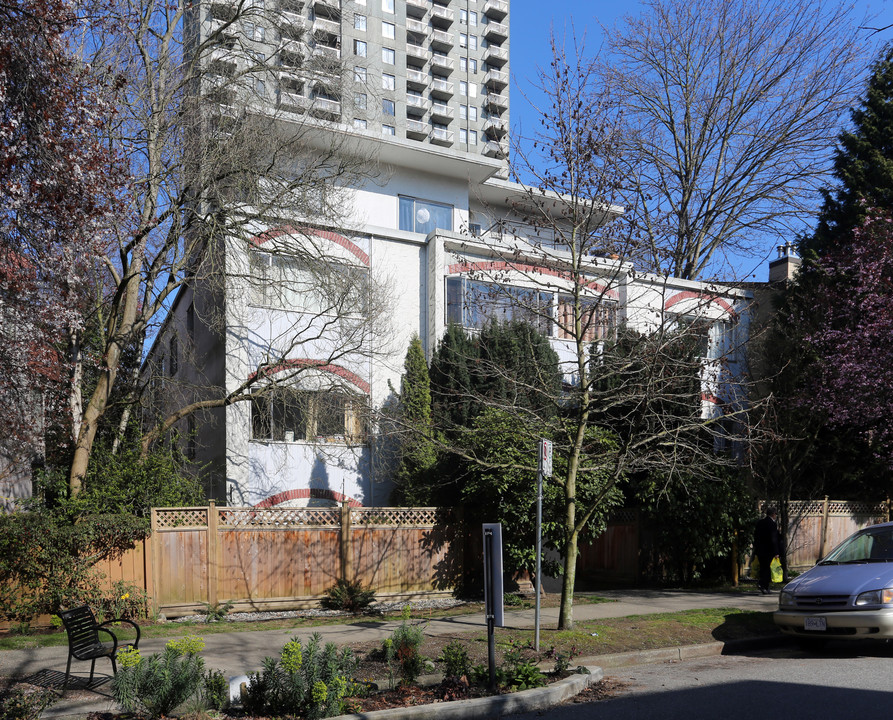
(321, 365)
(692, 295)
(503, 265)
(334, 237)
(314, 493)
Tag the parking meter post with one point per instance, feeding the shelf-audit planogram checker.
(539, 557)
(491, 640)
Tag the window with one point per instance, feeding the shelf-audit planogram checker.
(260, 33)
(286, 414)
(359, 123)
(463, 17)
(423, 217)
(463, 112)
(472, 89)
(388, 82)
(260, 87)
(359, 74)
(472, 137)
(387, 6)
(473, 304)
(190, 322)
(463, 64)
(473, 64)
(463, 40)
(388, 108)
(472, 18)
(463, 88)
(387, 56)
(359, 48)
(463, 136)
(473, 113)
(359, 22)
(359, 101)
(597, 319)
(388, 130)
(472, 42)
(388, 30)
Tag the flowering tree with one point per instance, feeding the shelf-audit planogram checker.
(854, 338)
(55, 179)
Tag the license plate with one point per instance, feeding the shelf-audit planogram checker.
(815, 623)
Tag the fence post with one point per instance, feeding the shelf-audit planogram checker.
(212, 554)
(152, 563)
(824, 536)
(346, 563)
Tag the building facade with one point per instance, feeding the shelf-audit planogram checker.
(322, 311)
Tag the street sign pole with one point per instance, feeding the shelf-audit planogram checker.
(544, 469)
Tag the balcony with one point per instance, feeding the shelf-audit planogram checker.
(416, 79)
(326, 108)
(496, 79)
(326, 27)
(441, 88)
(442, 40)
(444, 63)
(495, 128)
(496, 102)
(439, 111)
(495, 150)
(326, 52)
(496, 56)
(417, 55)
(417, 129)
(417, 27)
(442, 16)
(223, 11)
(328, 8)
(439, 136)
(416, 8)
(496, 9)
(293, 102)
(416, 105)
(496, 32)
(293, 26)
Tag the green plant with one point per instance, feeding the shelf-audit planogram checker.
(455, 660)
(19, 704)
(306, 680)
(402, 649)
(519, 673)
(513, 600)
(154, 686)
(349, 596)
(125, 600)
(215, 690)
(215, 612)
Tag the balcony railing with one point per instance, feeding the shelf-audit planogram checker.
(444, 62)
(496, 9)
(417, 104)
(442, 16)
(417, 55)
(442, 40)
(495, 127)
(325, 107)
(496, 100)
(417, 79)
(495, 55)
(439, 110)
(441, 136)
(416, 8)
(417, 129)
(417, 26)
(494, 149)
(441, 88)
(496, 79)
(496, 32)
(326, 26)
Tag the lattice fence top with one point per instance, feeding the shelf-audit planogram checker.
(181, 517)
(396, 516)
(276, 517)
(624, 515)
(803, 508)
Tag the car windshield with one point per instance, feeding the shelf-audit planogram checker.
(867, 546)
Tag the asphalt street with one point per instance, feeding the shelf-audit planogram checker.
(842, 682)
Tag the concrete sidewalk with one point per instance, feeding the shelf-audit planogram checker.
(238, 653)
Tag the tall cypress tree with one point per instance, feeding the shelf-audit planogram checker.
(863, 164)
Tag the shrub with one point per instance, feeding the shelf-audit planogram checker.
(402, 649)
(306, 681)
(125, 600)
(154, 686)
(215, 690)
(519, 673)
(455, 659)
(18, 704)
(216, 612)
(349, 596)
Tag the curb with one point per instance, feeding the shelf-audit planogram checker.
(685, 652)
(488, 707)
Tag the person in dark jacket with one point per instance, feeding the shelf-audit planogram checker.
(766, 546)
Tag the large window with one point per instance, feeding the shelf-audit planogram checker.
(423, 217)
(472, 304)
(283, 282)
(288, 415)
(597, 319)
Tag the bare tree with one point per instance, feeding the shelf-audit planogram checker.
(222, 115)
(635, 363)
(730, 110)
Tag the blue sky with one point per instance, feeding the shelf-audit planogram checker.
(531, 23)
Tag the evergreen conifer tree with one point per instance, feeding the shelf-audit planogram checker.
(863, 165)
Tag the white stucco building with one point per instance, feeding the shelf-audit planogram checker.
(427, 236)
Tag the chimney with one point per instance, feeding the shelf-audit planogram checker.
(785, 266)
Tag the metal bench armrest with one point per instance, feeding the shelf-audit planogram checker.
(136, 627)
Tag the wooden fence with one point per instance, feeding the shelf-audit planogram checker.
(277, 558)
(815, 527)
